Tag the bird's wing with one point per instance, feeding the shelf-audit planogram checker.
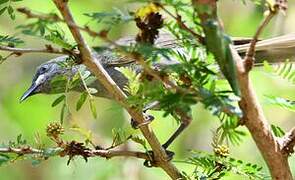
(276, 49)
(280, 42)
(273, 50)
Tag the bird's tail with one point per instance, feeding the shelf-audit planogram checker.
(273, 50)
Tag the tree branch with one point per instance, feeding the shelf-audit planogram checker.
(21, 151)
(94, 65)
(29, 14)
(273, 10)
(92, 153)
(183, 25)
(47, 49)
(54, 17)
(115, 153)
(249, 58)
(258, 126)
(288, 142)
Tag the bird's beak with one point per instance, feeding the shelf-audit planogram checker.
(29, 92)
(32, 90)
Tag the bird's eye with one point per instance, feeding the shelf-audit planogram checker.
(43, 69)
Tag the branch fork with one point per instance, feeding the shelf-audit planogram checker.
(287, 142)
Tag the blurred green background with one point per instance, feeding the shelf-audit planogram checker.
(31, 117)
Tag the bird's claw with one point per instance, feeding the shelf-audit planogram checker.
(147, 120)
(153, 163)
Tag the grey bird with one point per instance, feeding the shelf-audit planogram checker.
(273, 50)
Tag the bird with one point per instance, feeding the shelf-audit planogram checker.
(273, 50)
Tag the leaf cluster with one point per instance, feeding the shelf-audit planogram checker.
(7, 7)
(210, 166)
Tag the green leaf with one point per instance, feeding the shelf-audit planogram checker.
(2, 10)
(282, 102)
(36, 162)
(278, 132)
(4, 159)
(140, 141)
(10, 40)
(133, 80)
(110, 18)
(284, 70)
(3, 1)
(1, 59)
(119, 137)
(58, 100)
(81, 100)
(93, 109)
(10, 10)
(62, 113)
(58, 38)
(51, 151)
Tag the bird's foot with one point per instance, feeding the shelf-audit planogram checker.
(147, 120)
(153, 163)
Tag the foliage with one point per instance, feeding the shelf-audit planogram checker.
(10, 41)
(177, 77)
(278, 132)
(210, 166)
(133, 84)
(6, 6)
(285, 71)
(281, 102)
(110, 19)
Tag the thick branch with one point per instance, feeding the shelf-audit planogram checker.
(94, 65)
(30, 14)
(258, 126)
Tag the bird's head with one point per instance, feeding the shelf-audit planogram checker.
(46, 74)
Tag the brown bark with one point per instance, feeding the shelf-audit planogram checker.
(259, 128)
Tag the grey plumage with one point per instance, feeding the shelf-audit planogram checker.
(273, 50)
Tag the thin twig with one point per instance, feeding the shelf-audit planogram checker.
(273, 10)
(54, 17)
(183, 25)
(92, 153)
(249, 58)
(115, 153)
(47, 49)
(21, 151)
(30, 14)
